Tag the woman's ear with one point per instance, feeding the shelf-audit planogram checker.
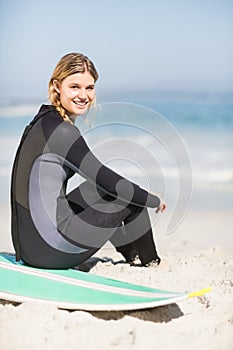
(56, 86)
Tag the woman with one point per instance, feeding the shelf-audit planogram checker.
(53, 229)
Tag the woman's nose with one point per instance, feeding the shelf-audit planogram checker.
(82, 94)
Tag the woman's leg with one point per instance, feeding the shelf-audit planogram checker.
(103, 221)
(98, 217)
(128, 250)
(138, 224)
(135, 237)
(78, 204)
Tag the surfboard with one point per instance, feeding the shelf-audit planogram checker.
(76, 290)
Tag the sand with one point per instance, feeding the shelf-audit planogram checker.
(198, 255)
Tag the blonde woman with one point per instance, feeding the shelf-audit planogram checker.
(55, 229)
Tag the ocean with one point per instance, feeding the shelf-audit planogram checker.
(182, 150)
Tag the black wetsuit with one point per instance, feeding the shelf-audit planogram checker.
(53, 229)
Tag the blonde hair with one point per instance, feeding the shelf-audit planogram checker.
(69, 64)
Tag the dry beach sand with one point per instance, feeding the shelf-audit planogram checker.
(197, 255)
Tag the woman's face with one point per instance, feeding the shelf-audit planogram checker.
(77, 91)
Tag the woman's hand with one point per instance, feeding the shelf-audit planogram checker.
(162, 207)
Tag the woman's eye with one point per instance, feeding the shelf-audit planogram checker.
(90, 88)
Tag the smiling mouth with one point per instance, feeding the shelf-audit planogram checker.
(81, 104)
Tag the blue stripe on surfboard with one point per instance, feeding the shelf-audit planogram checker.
(21, 287)
(91, 307)
(91, 285)
(85, 279)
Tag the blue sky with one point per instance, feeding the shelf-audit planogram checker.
(136, 45)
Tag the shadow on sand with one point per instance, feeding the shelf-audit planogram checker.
(158, 314)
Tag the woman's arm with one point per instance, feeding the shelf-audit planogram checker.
(68, 142)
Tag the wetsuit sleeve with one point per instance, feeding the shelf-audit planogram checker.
(68, 142)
